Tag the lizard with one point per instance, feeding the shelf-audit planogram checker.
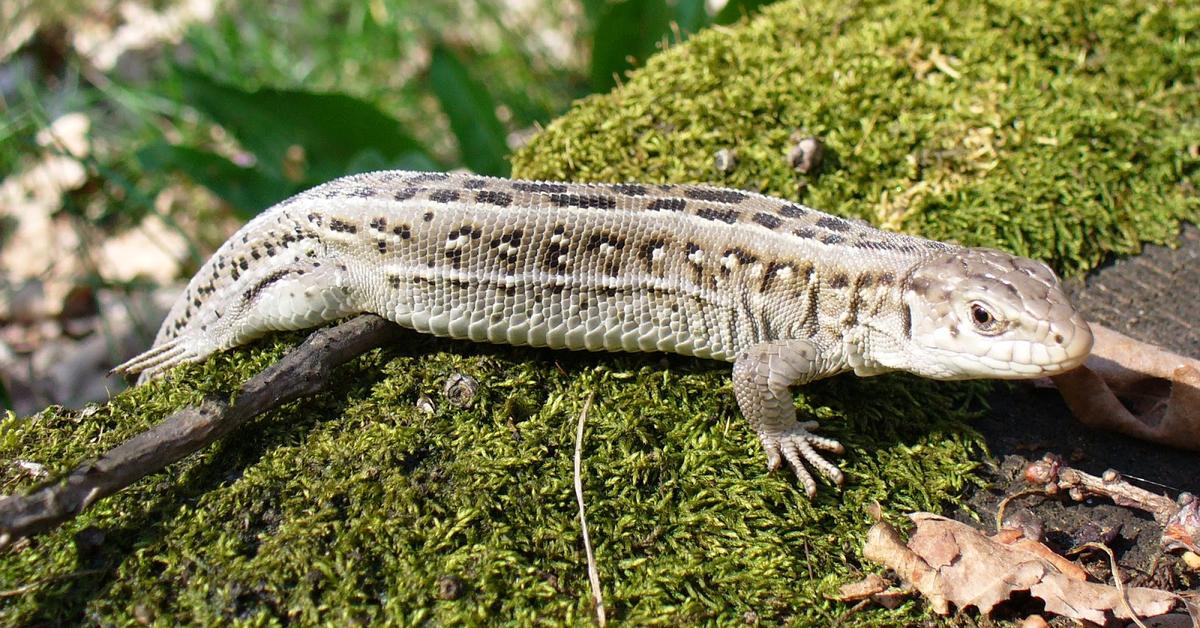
(786, 293)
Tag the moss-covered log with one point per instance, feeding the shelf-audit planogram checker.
(1061, 130)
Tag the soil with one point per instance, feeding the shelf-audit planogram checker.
(1147, 297)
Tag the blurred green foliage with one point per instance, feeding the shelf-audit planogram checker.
(472, 113)
(291, 95)
(625, 33)
(296, 138)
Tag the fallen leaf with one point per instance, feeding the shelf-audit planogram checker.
(952, 563)
(1091, 600)
(1161, 390)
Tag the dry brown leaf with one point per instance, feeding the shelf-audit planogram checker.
(1062, 563)
(952, 563)
(1161, 390)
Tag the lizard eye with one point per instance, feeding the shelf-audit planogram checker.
(984, 320)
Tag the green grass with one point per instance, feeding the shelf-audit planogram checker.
(353, 505)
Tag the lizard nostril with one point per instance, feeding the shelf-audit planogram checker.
(1058, 338)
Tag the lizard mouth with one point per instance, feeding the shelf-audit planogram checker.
(1053, 349)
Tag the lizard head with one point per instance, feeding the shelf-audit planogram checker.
(980, 313)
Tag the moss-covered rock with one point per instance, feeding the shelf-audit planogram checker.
(1056, 129)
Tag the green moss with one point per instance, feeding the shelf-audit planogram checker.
(1060, 130)
(1063, 121)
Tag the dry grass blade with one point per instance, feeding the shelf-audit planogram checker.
(593, 574)
(1112, 560)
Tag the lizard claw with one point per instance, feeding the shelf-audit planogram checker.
(798, 446)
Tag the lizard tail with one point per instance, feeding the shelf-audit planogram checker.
(296, 295)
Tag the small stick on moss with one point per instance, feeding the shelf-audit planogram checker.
(593, 574)
(302, 372)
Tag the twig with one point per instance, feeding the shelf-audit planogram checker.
(302, 372)
(1180, 518)
(1112, 559)
(1052, 476)
(593, 574)
(841, 620)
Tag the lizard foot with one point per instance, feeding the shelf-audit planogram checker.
(798, 445)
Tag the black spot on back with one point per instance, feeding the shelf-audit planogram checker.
(630, 189)
(596, 240)
(443, 196)
(668, 204)
(772, 274)
(834, 223)
(475, 184)
(339, 225)
(729, 216)
(404, 194)
(648, 249)
(879, 245)
(832, 238)
(715, 195)
(792, 211)
(491, 197)
(587, 201)
(769, 221)
(538, 186)
(839, 281)
(742, 256)
(430, 176)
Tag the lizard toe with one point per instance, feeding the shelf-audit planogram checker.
(795, 459)
(799, 447)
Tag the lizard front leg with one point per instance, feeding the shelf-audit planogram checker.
(762, 377)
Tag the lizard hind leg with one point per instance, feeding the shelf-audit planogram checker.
(762, 377)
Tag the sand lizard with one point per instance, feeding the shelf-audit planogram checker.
(786, 293)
